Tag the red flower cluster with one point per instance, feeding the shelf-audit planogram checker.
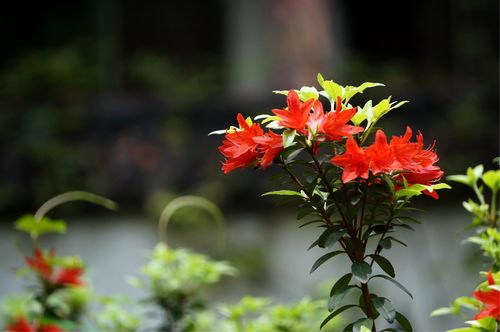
(43, 266)
(249, 144)
(400, 157)
(331, 126)
(22, 325)
(490, 299)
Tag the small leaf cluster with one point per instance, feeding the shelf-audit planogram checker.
(485, 223)
(175, 278)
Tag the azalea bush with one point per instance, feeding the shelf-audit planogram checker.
(347, 178)
(485, 211)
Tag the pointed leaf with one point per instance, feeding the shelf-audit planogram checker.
(314, 244)
(361, 270)
(288, 136)
(464, 179)
(335, 313)
(362, 322)
(384, 265)
(386, 243)
(385, 308)
(341, 282)
(323, 259)
(404, 322)
(394, 282)
(284, 193)
(336, 297)
(311, 222)
(328, 239)
(396, 240)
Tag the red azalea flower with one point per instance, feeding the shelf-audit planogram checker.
(490, 299)
(335, 124)
(415, 162)
(270, 144)
(426, 176)
(297, 114)
(380, 155)
(412, 156)
(69, 276)
(50, 328)
(40, 264)
(316, 118)
(354, 161)
(20, 325)
(239, 147)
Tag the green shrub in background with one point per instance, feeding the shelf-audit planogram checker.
(485, 214)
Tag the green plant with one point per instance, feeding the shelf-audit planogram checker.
(356, 187)
(59, 295)
(486, 297)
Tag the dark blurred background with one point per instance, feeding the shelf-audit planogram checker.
(117, 98)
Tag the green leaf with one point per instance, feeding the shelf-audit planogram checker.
(492, 179)
(386, 243)
(443, 311)
(341, 282)
(361, 271)
(396, 240)
(314, 244)
(385, 308)
(464, 179)
(394, 282)
(311, 222)
(467, 329)
(404, 322)
(323, 259)
(468, 302)
(337, 297)
(384, 265)
(410, 219)
(218, 132)
(35, 228)
(329, 238)
(389, 183)
(285, 193)
(288, 136)
(362, 322)
(336, 313)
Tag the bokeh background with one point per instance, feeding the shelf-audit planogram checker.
(117, 98)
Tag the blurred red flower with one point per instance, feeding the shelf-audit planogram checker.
(490, 299)
(43, 265)
(20, 325)
(40, 264)
(69, 276)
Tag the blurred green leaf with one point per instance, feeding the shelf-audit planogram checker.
(35, 228)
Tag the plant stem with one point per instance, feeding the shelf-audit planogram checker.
(378, 248)
(328, 185)
(493, 213)
(368, 304)
(321, 210)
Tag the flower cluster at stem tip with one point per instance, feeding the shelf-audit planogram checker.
(305, 122)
